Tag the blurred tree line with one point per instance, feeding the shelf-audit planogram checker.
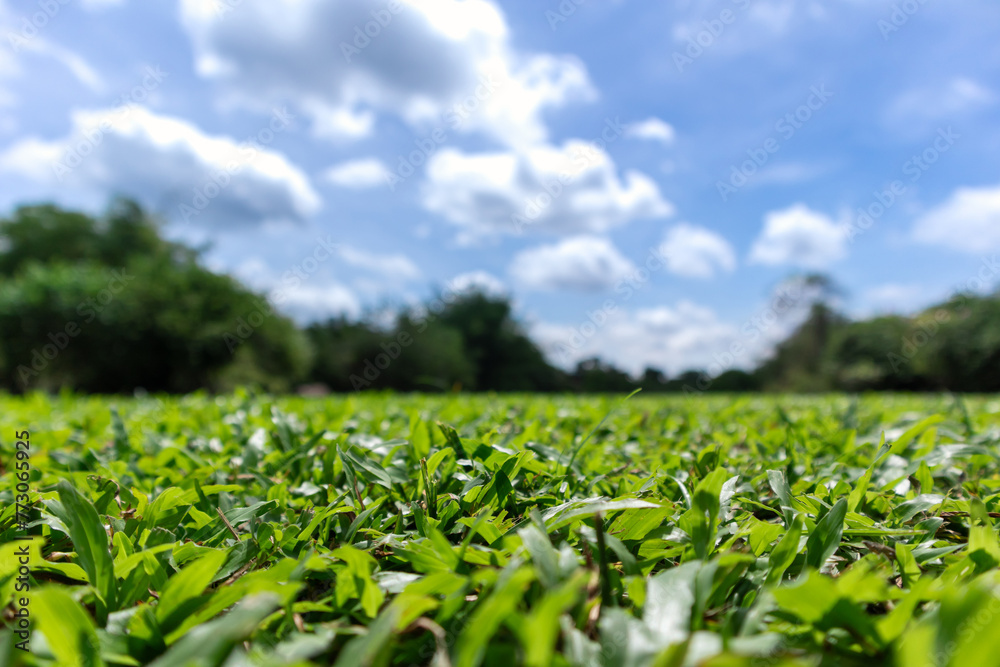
(107, 305)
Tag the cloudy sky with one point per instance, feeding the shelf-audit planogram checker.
(641, 177)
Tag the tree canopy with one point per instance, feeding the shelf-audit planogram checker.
(107, 304)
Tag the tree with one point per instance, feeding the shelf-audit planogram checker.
(108, 305)
(502, 356)
(596, 376)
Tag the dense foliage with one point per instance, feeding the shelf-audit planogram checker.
(952, 346)
(107, 305)
(378, 530)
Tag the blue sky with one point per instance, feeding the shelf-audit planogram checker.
(640, 177)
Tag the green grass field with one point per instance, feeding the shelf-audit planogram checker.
(483, 530)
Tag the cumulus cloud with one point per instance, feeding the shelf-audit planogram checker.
(680, 337)
(677, 338)
(651, 129)
(481, 281)
(441, 61)
(315, 296)
(357, 174)
(567, 190)
(800, 237)
(168, 163)
(311, 302)
(696, 252)
(968, 221)
(584, 263)
(395, 266)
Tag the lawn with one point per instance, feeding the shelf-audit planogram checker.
(500, 530)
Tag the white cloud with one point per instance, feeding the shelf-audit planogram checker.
(357, 174)
(167, 162)
(585, 263)
(895, 298)
(13, 30)
(969, 221)
(433, 61)
(395, 266)
(310, 302)
(482, 281)
(933, 103)
(314, 298)
(565, 190)
(680, 337)
(651, 129)
(697, 252)
(674, 339)
(75, 63)
(800, 237)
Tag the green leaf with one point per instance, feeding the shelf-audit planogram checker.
(861, 488)
(900, 445)
(670, 598)
(357, 575)
(908, 567)
(91, 544)
(543, 554)
(489, 614)
(982, 537)
(366, 650)
(69, 631)
(785, 552)
(776, 479)
(367, 469)
(825, 538)
(453, 440)
(541, 627)
(761, 536)
(562, 515)
(183, 592)
(212, 642)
